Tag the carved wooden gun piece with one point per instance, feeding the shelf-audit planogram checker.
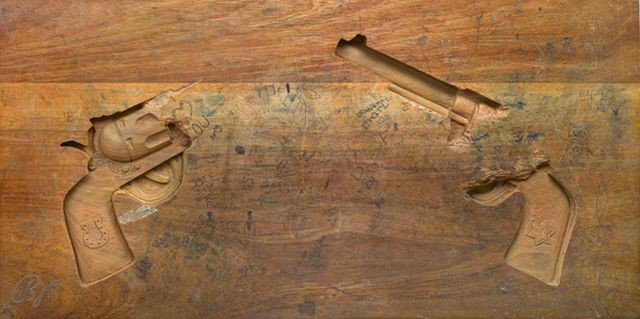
(549, 213)
(122, 148)
(463, 106)
(543, 237)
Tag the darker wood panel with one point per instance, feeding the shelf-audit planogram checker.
(320, 240)
(228, 41)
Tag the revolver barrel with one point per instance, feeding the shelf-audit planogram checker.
(460, 105)
(403, 76)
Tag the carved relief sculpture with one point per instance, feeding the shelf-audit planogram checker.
(548, 218)
(542, 239)
(464, 107)
(138, 150)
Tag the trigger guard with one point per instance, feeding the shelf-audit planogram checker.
(493, 196)
(84, 149)
(148, 191)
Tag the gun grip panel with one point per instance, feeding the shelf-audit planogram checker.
(98, 242)
(99, 245)
(543, 236)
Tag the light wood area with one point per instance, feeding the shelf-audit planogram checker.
(292, 208)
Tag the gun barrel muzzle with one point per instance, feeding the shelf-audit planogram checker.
(400, 74)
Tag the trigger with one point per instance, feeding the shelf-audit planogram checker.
(77, 145)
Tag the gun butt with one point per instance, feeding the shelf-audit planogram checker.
(99, 245)
(542, 239)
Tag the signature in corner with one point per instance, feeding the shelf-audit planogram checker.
(26, 290)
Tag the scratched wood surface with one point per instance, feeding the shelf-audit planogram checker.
(236, 41)
(294, 207)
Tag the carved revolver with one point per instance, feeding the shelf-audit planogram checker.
(549, 211)
(464, 107)
(138, 151)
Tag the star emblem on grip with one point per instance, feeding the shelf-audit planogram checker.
(541, 232)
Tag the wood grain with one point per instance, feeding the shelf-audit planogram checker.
(267, 41)
(292, 209)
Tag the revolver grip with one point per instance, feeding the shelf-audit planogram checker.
(99, 245)
(543, 236)
(545, 231)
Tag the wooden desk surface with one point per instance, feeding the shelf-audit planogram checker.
(297, 210)
(267, 41)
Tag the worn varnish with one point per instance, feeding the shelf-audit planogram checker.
(293, 207)
(236, 41)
